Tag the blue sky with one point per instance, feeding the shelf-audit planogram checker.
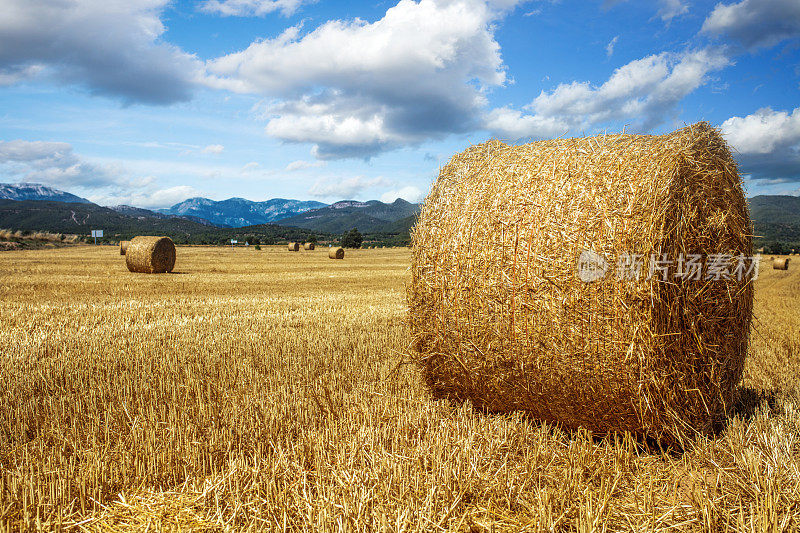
(150, 102)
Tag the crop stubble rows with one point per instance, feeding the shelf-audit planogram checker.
(269, 390)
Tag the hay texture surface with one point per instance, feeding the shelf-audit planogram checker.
(309, 246)
(336, 253)
(151, 255)
(294, 246)
(499, 315)
(123, 247)
(780, 263)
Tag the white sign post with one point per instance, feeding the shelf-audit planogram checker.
(234, 242)
(97, 233)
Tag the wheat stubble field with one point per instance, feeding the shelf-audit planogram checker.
(271, 391)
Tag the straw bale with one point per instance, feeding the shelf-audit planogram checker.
(780, 263)
(123, 247)
(498, 313)
(309, 246)
(294, 246)
(336, 253)
(151, 255)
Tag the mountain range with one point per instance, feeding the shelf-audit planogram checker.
(238, 212)
(36, 207)
(369, 217)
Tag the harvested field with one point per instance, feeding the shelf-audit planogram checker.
(272, 391)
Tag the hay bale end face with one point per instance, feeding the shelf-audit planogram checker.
(150, 255)
(500, 316)
(294, 247)
(309, 246)
(336, 253)
(123, 247)
(780, 263)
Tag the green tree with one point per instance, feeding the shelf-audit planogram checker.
(352, 239)
(776, 248)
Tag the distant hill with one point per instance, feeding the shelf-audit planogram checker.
(38, 193)
(81, 218)
(138, 212)
(239, 212)
(776, 218)
(368, 217)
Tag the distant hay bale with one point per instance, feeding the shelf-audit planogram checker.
(336, 253)
(780, 263)
(123, 247)
(151, 255)
(499, 315)
(309, 246)
(294, 246)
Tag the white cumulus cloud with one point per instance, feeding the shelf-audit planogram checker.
(767, 143)
(645, 91)
(56, 164)
(355, 88)
(53, 163)
(755, 23)
(112, 47)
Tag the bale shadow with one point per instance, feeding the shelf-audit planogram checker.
(644, 444)
(749, 400)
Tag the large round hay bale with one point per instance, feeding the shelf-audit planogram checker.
(123, 247)
(294, 246)
(336, 253)
(501, 314)
(780, 263)
(151, 255)
(309, 246)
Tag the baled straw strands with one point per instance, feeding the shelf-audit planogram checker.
(499, 316)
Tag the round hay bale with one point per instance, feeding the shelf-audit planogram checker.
(336, 253)
(123, 247)
(309, 246)
(501, 315)
(151, 255)
(294, 246)
(780, 263)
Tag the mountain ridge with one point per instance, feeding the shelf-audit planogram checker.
(37, 192)
(240, 212)
(372, 216)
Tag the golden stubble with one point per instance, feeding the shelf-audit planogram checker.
(269, 390)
